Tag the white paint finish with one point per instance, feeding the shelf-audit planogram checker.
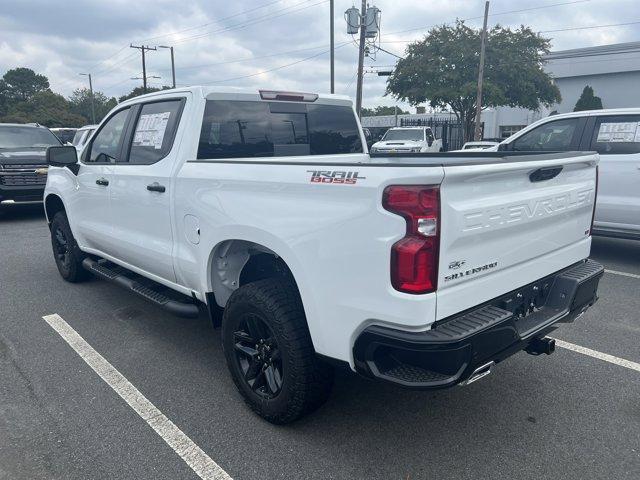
(623, 274)
(621, 362)
(188, 451)
(335, 238)
(494, 215)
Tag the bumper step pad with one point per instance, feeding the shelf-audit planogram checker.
(450, 352)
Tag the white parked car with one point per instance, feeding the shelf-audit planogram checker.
(615, 135)
(82, 136)
(265, 209)
(408, 140)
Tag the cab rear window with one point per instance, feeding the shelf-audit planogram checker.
(248, 129)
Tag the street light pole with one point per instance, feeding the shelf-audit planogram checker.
(173, 65)
(331, 41)
(363, 13)
(93, 108)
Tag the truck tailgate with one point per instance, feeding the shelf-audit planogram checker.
(508, 223)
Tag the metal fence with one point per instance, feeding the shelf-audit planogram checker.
(450, 131)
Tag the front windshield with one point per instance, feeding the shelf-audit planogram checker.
(26, 137)
(414, 134)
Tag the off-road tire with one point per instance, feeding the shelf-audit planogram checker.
(305, 381)
(70, 263)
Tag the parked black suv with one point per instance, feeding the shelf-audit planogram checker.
(22, 153)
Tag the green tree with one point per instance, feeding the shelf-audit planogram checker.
(20, 84)
(80, 103)
(381, 110)
(46, 108)
(588, 101)
(140, 91)
(442, 69)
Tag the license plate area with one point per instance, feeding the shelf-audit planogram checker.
(528, 300)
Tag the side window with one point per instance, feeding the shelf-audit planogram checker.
(619, 134)
(235, 130)
(559, 135)
(155, 130)
(333, 130)
(105, 145)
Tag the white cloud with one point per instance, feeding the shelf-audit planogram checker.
(64, 38)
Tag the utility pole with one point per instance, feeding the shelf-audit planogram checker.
(93, 108)
(173, 65)
(363, 27)
(331, 41)
(483, 40)
(142, 48)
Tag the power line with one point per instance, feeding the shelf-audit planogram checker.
(270, 16)
(248, 59)
(567, 29)
(146, 40)
(493, 15)
(273, 69)
(590, 27)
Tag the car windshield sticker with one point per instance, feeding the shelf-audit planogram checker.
(150, 130)
(619, 132)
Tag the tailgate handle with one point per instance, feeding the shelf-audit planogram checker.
(545, 173)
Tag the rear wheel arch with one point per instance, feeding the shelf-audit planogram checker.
(237, 262)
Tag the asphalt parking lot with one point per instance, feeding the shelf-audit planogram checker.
(568, 415)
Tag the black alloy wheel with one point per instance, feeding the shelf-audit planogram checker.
(62, 249)
(258, 356)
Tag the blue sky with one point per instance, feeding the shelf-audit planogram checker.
(261, 43)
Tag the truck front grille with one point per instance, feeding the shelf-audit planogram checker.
(22, 176)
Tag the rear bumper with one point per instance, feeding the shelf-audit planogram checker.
(455, 347)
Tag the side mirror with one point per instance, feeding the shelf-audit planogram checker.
(430, 141)
(63, 156)
(503, 147)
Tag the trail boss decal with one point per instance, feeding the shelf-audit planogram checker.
(334, 176)
(472, 271)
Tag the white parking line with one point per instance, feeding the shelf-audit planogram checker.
(192, 455)
(624, 274)
(621, 362)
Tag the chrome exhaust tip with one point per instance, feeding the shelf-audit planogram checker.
(478, 373)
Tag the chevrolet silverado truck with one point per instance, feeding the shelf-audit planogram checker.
(408, 140)
(264, 210)
(22, 161)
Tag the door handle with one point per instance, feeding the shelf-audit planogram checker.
(156, 187)
(102, 181)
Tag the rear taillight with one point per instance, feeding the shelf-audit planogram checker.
(595, 199)
(414, 258)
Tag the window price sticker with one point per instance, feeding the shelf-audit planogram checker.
(619, 132)
(150, 130)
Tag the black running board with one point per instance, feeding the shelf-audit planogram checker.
(180, 309)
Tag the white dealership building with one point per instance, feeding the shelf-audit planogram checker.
(612, 70)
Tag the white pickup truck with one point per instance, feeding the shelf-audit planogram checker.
(408, 140)
(265, 210)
